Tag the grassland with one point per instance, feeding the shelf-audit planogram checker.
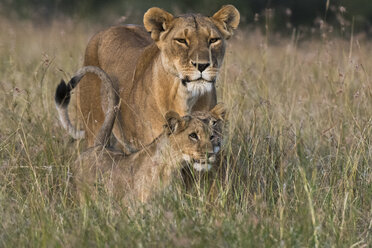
(298, 150)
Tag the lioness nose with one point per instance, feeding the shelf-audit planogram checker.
(201, 67)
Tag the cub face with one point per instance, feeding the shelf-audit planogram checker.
(197, 137)
(192, 46)
(215, 119)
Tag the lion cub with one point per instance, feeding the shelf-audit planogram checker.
(190, 139)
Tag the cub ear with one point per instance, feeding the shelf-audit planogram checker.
(173, 122)
(219, 111)
(156, 21)
(227, 19)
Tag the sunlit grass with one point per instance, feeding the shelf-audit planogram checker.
(298, 148)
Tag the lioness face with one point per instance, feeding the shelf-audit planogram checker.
(193, 50)
(192, 46)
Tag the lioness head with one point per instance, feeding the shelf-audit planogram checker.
(197, 136)
(192, 46)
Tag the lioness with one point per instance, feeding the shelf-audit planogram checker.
(137, 176)
(170, 64)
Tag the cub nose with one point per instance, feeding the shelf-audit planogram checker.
(201, 67)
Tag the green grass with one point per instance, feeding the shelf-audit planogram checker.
(298, 150)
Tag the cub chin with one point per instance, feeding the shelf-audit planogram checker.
(190, 139)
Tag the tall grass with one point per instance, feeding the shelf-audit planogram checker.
(298, 166)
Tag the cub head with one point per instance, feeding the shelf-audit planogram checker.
(196, 137)
(215, 119)
(192, 46)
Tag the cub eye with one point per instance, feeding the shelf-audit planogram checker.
(213, 40)
(213, 123)
(193, 136)
(181, 41)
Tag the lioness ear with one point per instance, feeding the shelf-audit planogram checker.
(156, 21)
(173, 122)
(227, 19)
(219, 111)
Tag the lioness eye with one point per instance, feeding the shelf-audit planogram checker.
(182, 41)
(213, 40)
(193, 136)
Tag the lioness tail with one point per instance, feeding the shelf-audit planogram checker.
(62, 100)
(63, 96)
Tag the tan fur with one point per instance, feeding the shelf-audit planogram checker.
(138, 176)
(155, 73)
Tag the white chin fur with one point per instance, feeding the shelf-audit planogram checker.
(212, 159)
(186, 157)
(199, 87)
(202, 167)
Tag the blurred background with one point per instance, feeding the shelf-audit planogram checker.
(283, 16)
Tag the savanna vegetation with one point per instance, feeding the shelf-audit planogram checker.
(298, 148)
